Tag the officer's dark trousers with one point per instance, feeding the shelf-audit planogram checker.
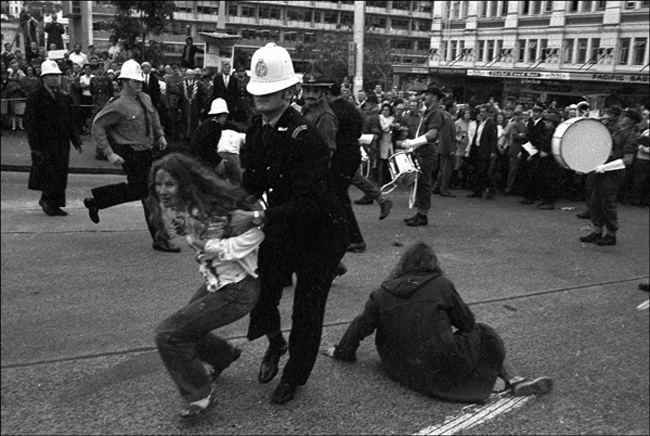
(344, 167)
(314, 268)
(602, 198)
(137, 165)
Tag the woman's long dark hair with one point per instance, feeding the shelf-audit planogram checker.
(418, 257)
(203, 193)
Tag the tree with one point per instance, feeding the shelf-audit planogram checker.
(135, 20)
(330, 52)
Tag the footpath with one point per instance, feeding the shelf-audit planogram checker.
(16, 156)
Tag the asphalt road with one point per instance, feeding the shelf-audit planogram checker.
(80, 302)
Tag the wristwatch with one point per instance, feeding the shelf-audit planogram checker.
(257, 219)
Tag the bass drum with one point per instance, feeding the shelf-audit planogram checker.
(581, 144)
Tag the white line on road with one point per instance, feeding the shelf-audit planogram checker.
(478, 415)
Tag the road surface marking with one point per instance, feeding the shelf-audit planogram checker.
(476, 415)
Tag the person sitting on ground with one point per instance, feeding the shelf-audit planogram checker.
(195, 202)
(427, 337)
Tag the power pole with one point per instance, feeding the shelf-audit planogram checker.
(358, 34)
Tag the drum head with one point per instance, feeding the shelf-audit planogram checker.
(584, 145)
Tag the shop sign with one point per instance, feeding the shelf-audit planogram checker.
(520, 74)
(448, 71)
(605, 77)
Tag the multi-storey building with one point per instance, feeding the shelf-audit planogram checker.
(538, 50)
(523, 50)
(290, 23)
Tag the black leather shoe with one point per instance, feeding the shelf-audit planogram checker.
(475, 195)
(166, 246)
(93, 210)
(364, 200)
(60, 212)
(385, 206)
(283, 393)
(411, 218)
(269, 366)
(47, 208)
(606, 240)
(419, 220)
(215, 373)
(447, 194)
(584, 215)
(591, 238)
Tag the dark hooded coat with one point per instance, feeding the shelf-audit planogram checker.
(427, 338)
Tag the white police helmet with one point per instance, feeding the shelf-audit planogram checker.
(218, 106)
(271, 70)
(50, 67)
(131, 70)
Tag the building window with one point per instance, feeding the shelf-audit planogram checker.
(537, 7)
(493, 8)
(521, 44)
(232, 9)
(269, 12)
(568, 51)
(422, 6)
(401, 5)
(248, 11)
(490, 50)
(601, 5)
(377, 4)
(482, 9)
(504, 7)
(205, 7)
(299, 15)
(330, 17)
(532, 50)
(454, 50)
(347, 19)
(595, 45)
(549, 6)
(376, 21)
(573, 6)
(624, 51)
(403, 44)
(525, 9)
(630, 5)
(290, 36)
(481, 51)
(455, 10)
(639, 50)
(310, 38)
(582, 51)
(399, 23)
(543, 43)
(498, 48)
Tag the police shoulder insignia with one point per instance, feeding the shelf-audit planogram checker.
(297, 130)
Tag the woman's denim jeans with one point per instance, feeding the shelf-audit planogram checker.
(185, 340)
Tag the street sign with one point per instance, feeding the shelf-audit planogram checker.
(352, 55)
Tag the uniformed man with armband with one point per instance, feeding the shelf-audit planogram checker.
(287, 159)
(125, 130)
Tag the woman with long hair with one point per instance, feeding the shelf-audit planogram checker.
(189, 199)
(428, 339)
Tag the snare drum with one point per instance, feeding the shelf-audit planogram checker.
(403, 168)
(404, 171)
(581, 144)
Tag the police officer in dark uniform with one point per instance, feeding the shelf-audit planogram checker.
(287, 159)
(125, 130)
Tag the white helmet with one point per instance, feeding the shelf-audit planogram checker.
(131, 70)
(272, 70)
(50, 67)
(218, 106)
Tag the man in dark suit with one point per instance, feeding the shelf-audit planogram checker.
(225, 86)
(151, 85)
(535, 134)
(484, 149)
(189, 52)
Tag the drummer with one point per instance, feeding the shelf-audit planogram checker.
(606, 180)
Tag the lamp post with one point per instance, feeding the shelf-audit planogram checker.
(358, 34)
